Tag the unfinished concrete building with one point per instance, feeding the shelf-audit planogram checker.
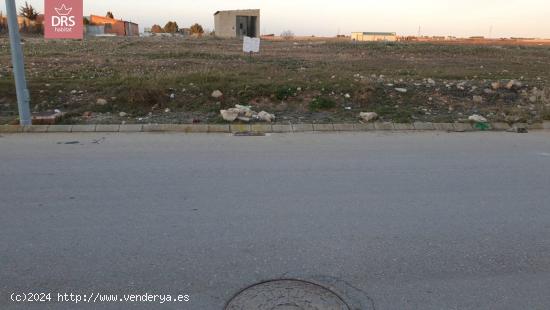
(374, 36)
(237, 23)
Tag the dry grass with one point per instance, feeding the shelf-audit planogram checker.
(139, 75)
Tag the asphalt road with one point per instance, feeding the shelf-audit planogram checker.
(388, 221)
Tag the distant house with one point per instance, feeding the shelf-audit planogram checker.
(101, 25)
(3, 23)
(374, 36)
(237, 23)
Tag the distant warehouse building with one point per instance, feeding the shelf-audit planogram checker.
(101, 25)
(374, 36)
(237, 23)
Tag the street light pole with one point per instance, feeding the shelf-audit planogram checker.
(23, 96)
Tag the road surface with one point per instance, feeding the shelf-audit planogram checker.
(386, 220)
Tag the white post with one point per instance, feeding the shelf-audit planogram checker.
(23, 96)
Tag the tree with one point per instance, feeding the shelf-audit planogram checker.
(197, 29)
(157, 29)
(28, 11)
(110, 15)
(3, 26)
(171, 27)
(287, 35)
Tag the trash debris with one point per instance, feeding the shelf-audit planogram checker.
(401, 90)
(47, 118)
(518, 128)
(249, 134)
(69, 142)
(368, 116)
(98, 141)
(482, 126)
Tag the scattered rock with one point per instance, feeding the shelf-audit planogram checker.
(368, 116)
(217, 94)
(401, 90)
(122, 114)
(245, 114)
(87, 114)
(230, 115)
(478, 99)
(266, 117)
(431, 82)
(167, 110)
(495, 85)
(477, 119)
(101, 101)
(172, 96)
(347, 96)
(514, 85)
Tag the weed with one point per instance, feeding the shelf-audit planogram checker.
(322, 103)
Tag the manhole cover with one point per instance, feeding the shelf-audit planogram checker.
(286, 295)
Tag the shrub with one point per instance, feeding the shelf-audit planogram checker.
(284, 92)
(157, 29)
(322, 103)
(287, 35)
(171, 27)
(196, 29)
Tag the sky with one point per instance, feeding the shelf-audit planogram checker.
(464, 18)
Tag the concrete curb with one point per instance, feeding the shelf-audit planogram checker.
(265, 127)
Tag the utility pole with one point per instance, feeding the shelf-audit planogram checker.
(23, 96)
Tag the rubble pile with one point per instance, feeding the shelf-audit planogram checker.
(246, 114)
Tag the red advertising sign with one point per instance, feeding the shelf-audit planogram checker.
(63, 19)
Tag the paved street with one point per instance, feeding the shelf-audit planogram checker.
(386, 220)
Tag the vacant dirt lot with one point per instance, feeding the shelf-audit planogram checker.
(172, 79)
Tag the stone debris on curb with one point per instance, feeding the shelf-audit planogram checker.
(477, 119)
(246, 114)
(368, 116)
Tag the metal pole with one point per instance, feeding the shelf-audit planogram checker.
(23, 97)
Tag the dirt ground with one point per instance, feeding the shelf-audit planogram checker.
(171, 80)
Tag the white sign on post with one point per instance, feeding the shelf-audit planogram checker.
(251, 45)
